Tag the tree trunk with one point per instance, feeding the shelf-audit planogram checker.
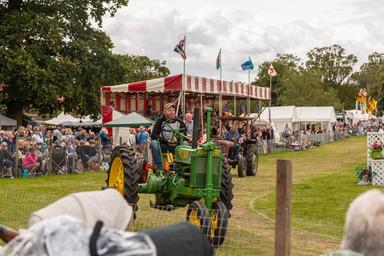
(15, 111)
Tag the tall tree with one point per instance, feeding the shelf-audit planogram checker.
(284, 63)
(304, 87)
(335, 67)
(52, 57)
(333, 63)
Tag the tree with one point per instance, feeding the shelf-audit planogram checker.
(284, 63)
(335, 68)
(333, 63)
(52, 57)
(304, 87)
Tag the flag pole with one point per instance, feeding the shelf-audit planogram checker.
(185, 79)
(220, 95)
(249, 90)
(270, 100)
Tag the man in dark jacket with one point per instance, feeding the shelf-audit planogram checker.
(165, 143)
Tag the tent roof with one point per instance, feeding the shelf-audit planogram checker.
(131, 120)
(63, 119)
(68, 120)
(280, 114)
(316, 114)
(6, 121)
(192, 84)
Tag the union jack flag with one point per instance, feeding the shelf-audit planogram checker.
(180, 49)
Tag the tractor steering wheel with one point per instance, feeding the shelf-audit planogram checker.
(180, 133)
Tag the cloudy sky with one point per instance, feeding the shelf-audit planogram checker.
(259, 29)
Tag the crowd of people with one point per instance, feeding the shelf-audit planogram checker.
(31, 151)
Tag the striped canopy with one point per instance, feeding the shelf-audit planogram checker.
(193, 84)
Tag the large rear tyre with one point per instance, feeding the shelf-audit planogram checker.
(219, 223)
(252, 157)
(242, 167)
(123, 174)
(226, 194)
(198, 215)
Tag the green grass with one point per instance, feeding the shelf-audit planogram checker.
(323, 187)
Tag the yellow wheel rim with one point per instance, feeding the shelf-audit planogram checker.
(193, 219)
(214, 223)
(116, 175)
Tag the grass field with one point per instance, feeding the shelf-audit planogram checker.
(323, 187)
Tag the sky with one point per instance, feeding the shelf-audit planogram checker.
(242, 29)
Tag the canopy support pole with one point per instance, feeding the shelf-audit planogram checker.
(202, 114)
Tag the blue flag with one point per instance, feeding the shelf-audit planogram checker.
(247, 65)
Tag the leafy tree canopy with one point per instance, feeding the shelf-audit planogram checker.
(54, 57)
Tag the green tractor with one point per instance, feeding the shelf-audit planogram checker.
(198, 177)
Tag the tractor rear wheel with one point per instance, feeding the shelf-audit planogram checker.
(198, 215)
(226, 194)
(123, 174)
(252, 160)
(242, 166)
(219, 223)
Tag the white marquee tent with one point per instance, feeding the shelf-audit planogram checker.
(281, 116)
(324, 116)
(68, 120)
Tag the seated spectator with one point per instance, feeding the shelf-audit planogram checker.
(82, 152)
(148, 113)
(230, 136)
(8, 137)
(58, 157)
(93, 152)
(6, 160)
(364, 226)
(30, 161)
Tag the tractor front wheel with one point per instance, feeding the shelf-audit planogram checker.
(219, 223)
(198, 215)
(242, 166)
(123, 174)
(226, 194)
(252, 160)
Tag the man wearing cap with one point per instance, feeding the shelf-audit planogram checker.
(165, 143)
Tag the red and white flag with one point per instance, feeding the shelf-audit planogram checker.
(272, 71)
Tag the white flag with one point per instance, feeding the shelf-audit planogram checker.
(271, 71)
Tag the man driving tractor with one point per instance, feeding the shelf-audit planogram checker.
(230, 136)
(163, 134)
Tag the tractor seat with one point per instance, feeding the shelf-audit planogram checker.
(227, 145)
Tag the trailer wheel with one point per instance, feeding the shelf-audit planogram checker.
(219, 223)
(252, 160)
(123, 174)
(198, 215)
(242, 167)
(141, 163)
(226, 194)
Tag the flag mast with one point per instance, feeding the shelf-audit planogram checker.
(220, 94)
(185, 79)
(249, 90)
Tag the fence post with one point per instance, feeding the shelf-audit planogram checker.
(121, 141)
(50, 156)
(16, 154)
(283, 207)
(74, 156)
(99, 159)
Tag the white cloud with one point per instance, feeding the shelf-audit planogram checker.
(259, 29)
